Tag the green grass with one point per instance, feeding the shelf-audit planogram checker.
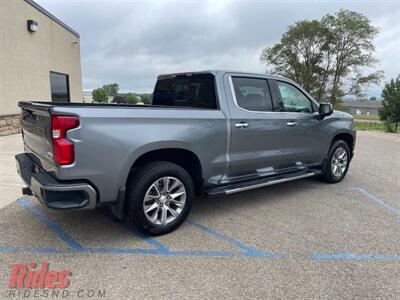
(369, 126)
(365, 117)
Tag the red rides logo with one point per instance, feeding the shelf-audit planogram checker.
(29, 276)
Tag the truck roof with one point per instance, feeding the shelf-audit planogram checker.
(215, 72)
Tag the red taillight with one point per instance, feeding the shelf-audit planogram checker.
(63, 149)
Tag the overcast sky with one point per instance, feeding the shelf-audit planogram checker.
(130, 42)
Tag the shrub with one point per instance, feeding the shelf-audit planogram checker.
(99, 95)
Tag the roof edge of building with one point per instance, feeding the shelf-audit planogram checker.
(51, 16)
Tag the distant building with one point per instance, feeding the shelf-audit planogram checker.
(39, 59)
(369, 108)
(87, 97)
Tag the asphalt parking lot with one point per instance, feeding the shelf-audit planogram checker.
(303, 239)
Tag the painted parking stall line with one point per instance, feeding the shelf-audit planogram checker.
(161, 249)
(353, 256)
(246, 250)
(156, 244)
(358, 256)
(123, 251)
(74, 245)
(376, 200)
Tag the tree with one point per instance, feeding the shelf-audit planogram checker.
(146, 98)
(118, 99)
(390, 113)
(301, 55)
(327, 57)
(111, 89)
(131, 98)
(373, 98)
(99, 95)
(352, 49)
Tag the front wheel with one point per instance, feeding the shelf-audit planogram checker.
(337, 162)
(159, 197)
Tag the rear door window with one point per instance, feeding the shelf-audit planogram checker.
(188, 90)
(252, 93)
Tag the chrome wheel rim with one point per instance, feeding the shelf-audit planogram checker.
(164, 201)
(339, 162)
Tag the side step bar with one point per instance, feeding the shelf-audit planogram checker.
(258, 183)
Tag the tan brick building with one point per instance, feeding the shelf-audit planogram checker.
(39, 59)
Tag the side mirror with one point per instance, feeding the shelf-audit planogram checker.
(325, 109)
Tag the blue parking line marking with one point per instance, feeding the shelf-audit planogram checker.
(161, 249)
(203, 253)
(352, 256)
(248, 251)
(377, 200)
(122, 251)
(54, 227)
(158, 252)
(156, 244)
(194, 253)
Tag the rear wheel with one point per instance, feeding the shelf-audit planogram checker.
(159, 197)
(337, 162)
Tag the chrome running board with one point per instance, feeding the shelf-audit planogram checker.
(260, 182)
(256, 186)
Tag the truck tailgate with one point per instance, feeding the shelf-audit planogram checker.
(36, 128)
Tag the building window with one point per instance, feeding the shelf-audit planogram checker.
(59, 87)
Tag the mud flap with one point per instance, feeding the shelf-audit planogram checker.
(119, 209)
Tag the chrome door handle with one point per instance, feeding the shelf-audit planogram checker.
(242, 125)
(291, 123)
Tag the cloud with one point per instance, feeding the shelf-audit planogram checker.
(131, 42)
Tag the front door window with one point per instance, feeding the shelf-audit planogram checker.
(293, 99)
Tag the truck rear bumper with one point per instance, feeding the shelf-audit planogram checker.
(53, 193)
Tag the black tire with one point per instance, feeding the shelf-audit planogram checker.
(327, 174)
(140, 183)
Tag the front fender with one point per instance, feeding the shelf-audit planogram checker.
(340, 124)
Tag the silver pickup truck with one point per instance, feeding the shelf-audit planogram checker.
(206, 133)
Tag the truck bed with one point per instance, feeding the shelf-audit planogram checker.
(111, 137)
(45, 105)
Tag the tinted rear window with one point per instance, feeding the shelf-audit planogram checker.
(197, 90)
